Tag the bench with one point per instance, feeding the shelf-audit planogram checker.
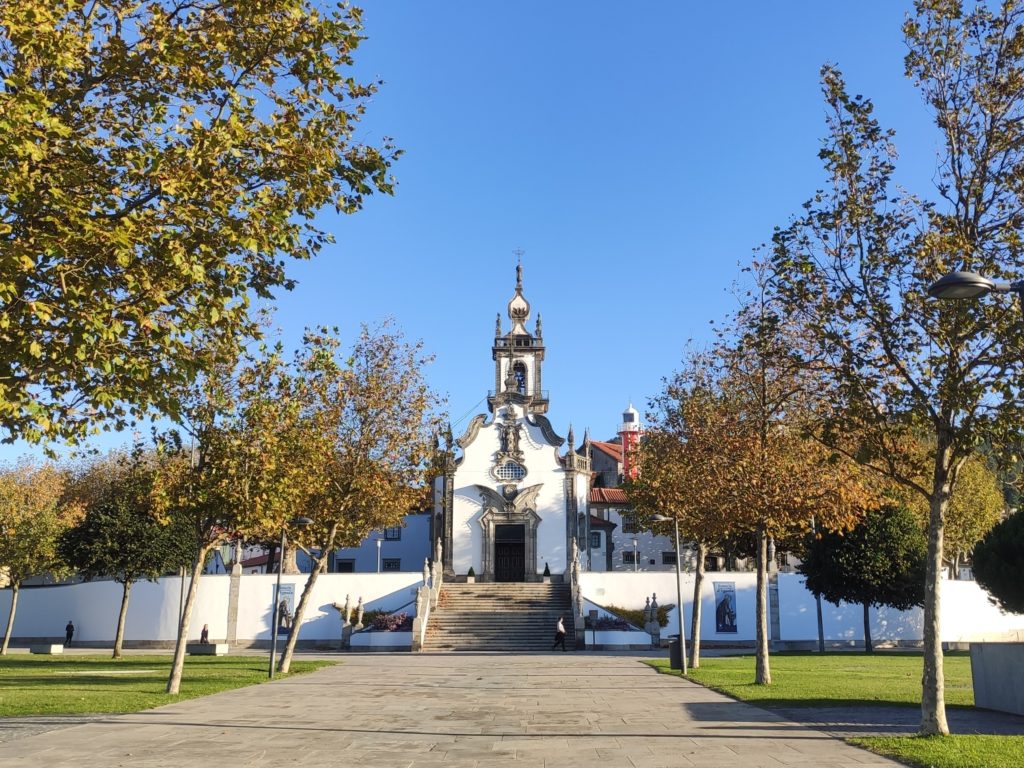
(207, 649)
(49, 649)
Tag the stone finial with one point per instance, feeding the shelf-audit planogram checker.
(426, 571)
(537, 331)
(497, 326)
(647, 610)
(348, 610)
(437, 550)
(571, 439)
(654, 604)
(359, 613)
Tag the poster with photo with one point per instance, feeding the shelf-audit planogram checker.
(725, 606)
(285, 608)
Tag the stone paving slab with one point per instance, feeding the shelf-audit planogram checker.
(450, 711)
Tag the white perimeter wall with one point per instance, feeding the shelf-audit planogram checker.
(153, 608)
(967, 613)
(153, 611)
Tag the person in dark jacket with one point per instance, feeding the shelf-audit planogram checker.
(69, 632)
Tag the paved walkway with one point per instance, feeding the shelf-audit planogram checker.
(450, 711)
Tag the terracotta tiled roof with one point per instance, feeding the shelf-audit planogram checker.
(597, 522)
(253, 561)
(608, 496)
(612, 449)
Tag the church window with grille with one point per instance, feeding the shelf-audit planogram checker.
(510, 470)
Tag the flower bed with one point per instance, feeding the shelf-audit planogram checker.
(391, 622)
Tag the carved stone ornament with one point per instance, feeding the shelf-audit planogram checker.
(546, 429)
(472, 431)
(517, 505)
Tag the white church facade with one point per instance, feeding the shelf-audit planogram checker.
(512, 502)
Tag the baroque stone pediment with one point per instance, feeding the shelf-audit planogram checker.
(546, 429)
(477, 422)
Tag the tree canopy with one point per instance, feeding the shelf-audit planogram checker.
(33, 514)
(881, 561)
(120, 536)
(162, 162)
(999, 563)
(855, 266)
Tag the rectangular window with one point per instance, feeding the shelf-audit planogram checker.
(595, 540)
(668, 558)
(628, 558)
(393, 534)
(391, 564)
(345, 566)
(628, 524)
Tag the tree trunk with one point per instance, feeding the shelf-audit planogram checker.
(174, 681)
(702, 553)
(933, 703)
(300, 609)
(15, 586)
(763, 674)
(119, 635)
(868, 647)
(289, 561)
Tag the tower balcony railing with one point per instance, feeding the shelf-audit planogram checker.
(517, 342)
(517, 396)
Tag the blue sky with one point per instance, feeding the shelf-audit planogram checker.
(635, 152)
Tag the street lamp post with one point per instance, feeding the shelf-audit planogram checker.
(636, 559)
(378, 555)
(679, 590)
(275, 612)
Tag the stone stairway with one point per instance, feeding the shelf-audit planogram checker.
(499, 617)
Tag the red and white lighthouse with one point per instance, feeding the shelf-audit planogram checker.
(629, 436)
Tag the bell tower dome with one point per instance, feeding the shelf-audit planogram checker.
(518, 357)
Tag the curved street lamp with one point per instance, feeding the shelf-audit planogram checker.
(679, 591)
(971, 285)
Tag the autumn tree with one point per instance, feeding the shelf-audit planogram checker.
(781, 483)
(366, 434)
(120, 536)
(33, 515)
(855, 266)
(681, 472)
(881, 561)
(162, 163)
(232, 474)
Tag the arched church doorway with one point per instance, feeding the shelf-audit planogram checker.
(510, 553)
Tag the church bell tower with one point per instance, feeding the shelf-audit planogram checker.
(518, 357)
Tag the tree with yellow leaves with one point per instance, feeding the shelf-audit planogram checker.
(33, 515)
(365, 433)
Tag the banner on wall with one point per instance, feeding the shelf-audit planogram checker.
(285, 608)
(725, 606)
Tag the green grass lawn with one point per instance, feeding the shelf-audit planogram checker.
(835, 679)
(816, 680)
(950, 751)
(52, 685)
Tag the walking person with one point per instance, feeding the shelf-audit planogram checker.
(559, 635)
(69, 632)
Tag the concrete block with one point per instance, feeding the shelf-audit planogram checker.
(47, 648)
(207, 649)
(997, 671)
